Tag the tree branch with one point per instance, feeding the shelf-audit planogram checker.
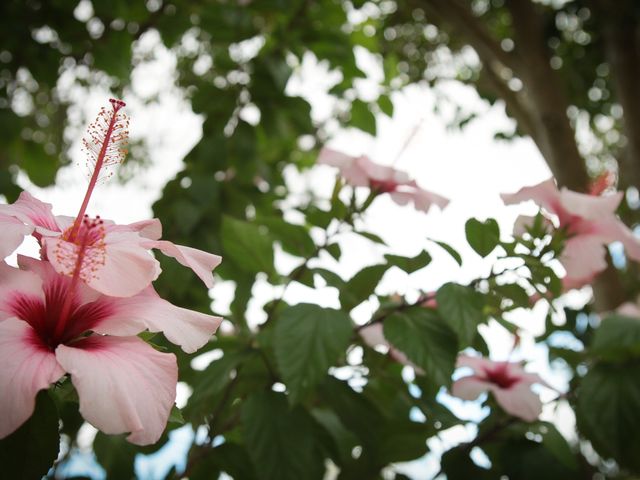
(478, 36)
(620, 32)
(548, 99)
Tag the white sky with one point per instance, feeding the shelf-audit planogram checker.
(469, 167)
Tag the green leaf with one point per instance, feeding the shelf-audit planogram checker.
(617, 338)
(40, 166)
(458, 466)
(356, 412)
(409, 264)
(317, 217)
(386, 105)
(247, 245)
(426, 340)
(308, 340)
(528, 460)
(361, 286)
(334, 250)
(362, 117)
(116, 456)
(176, 416)
(370, 236)
(342, 440)
(403, 441)
(461, 307)
(449, 249)
(295, 239)
(608, 412)
(209, 383)
(332, 279)
(280, 440)
(557, 445)
(30, 451)
(515, 293)
(482, 236)
(230, 458)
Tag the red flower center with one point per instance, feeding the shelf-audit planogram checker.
(59, 317)
(500, 376)
(83, 249)
(45, 316)
(383, 186)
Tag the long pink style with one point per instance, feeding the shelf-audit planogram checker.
(109, 132)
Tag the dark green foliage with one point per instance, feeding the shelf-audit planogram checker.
(462, 309)
(29, 452)
(426, 340)
(280, 440)
(308, 340)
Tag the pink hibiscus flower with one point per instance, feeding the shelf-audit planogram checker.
(51, 324)
(507, 381)
(362, 172)
(118, 261)
(589, 221)
(629, 309)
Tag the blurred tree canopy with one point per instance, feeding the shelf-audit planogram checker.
(567, 73)
(565, 70)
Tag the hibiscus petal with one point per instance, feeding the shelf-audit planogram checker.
(519, 401)
(478, 364)
(129, 316)
(27, 367)
(202, 263)
(128, 267)
(469, 388)
(382, 173)
(629, 309)
(590, 207)
(151, 229)
(613, 230)
(50, 280)
(334, 158)
(32, 211)
(422, 199)
(545, 194)
(349, 168)
(373, 335)
(571, 283)
(12, 233)
(584, 256)
(15, 282)
(124, 385)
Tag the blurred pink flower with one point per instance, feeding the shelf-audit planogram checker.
(118, 261)
(362, 172)
(51, 324)
(508, 382)
(629, 309)
(590, 223)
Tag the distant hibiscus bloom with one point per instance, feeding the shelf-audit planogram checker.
(629, 309)
(590, 223)
(118, 260)
(362, 172)
(52, 324)
(507, 381)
